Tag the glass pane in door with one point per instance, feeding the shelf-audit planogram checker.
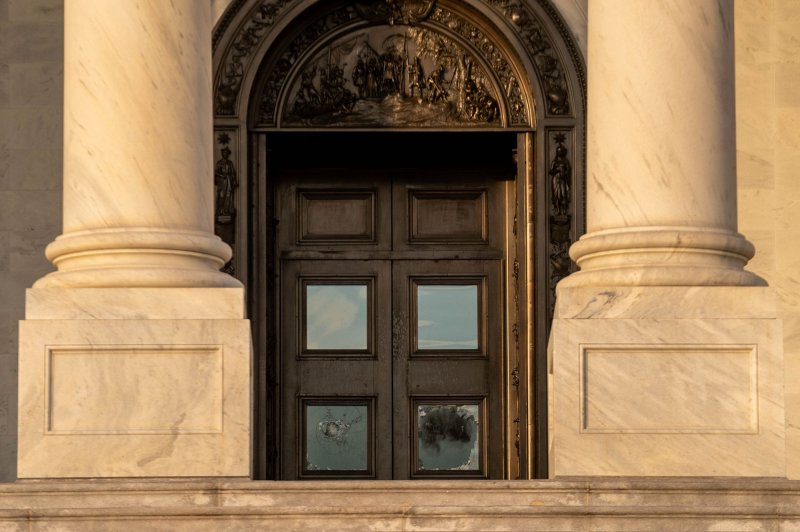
(337, 437)
(448, 437)
(447, 317)
(336, 317)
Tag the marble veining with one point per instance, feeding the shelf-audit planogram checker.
(185, 428)
(690, 392)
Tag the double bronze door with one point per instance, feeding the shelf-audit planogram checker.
(391, 324)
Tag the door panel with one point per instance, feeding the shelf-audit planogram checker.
(391, 323)
(454, 373)
(336, 370)
(460, 209)
(335, 211)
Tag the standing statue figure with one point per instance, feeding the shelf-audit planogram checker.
(561, 174)
(225, 183)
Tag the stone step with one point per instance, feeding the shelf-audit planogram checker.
(573, 504)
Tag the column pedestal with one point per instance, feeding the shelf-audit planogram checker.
(135, 355)
(666, 357)
(666, 381)
(134, 382)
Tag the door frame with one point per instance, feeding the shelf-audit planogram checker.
(520, 364)
(550, 68)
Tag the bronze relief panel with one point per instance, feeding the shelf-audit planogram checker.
(390, 76)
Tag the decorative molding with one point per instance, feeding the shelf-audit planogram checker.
(276, 76)
(249, 36)
(408, 12)
(225, 21)
(541, 50)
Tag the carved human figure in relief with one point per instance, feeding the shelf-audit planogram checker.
(225, 183)
(561, 174)
(436, 86)
(416, 78)
(359, 78)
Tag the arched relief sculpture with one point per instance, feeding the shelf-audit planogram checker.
(389, 78)
(263, 17)
(440, 71)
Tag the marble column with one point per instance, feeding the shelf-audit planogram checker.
(661, 157)
(135, 355)
(138, 188)
(666, 355)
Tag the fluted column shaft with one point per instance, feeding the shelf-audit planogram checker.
(661, 155)
(138, 188)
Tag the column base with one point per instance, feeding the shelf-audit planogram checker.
(134, 382)
(662, 256)
(138, 257)
(661, 381)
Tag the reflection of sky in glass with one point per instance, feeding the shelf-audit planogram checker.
(336, 438)
(447, 317)
(336, 317)
(448, 437)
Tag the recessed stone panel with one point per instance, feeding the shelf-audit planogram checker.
(680, 394)
(100, 390)
(134, 398)
(669, 389)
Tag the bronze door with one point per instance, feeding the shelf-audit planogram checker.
(391, 323)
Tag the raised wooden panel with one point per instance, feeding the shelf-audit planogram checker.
(448, 216)
(336, 216)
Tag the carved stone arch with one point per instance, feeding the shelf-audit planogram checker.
(546, 63)
(525, 45)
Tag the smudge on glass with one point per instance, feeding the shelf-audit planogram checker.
(448, 437)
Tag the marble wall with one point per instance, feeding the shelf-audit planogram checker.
(768, 141)
(31, 86)
(768, 136)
